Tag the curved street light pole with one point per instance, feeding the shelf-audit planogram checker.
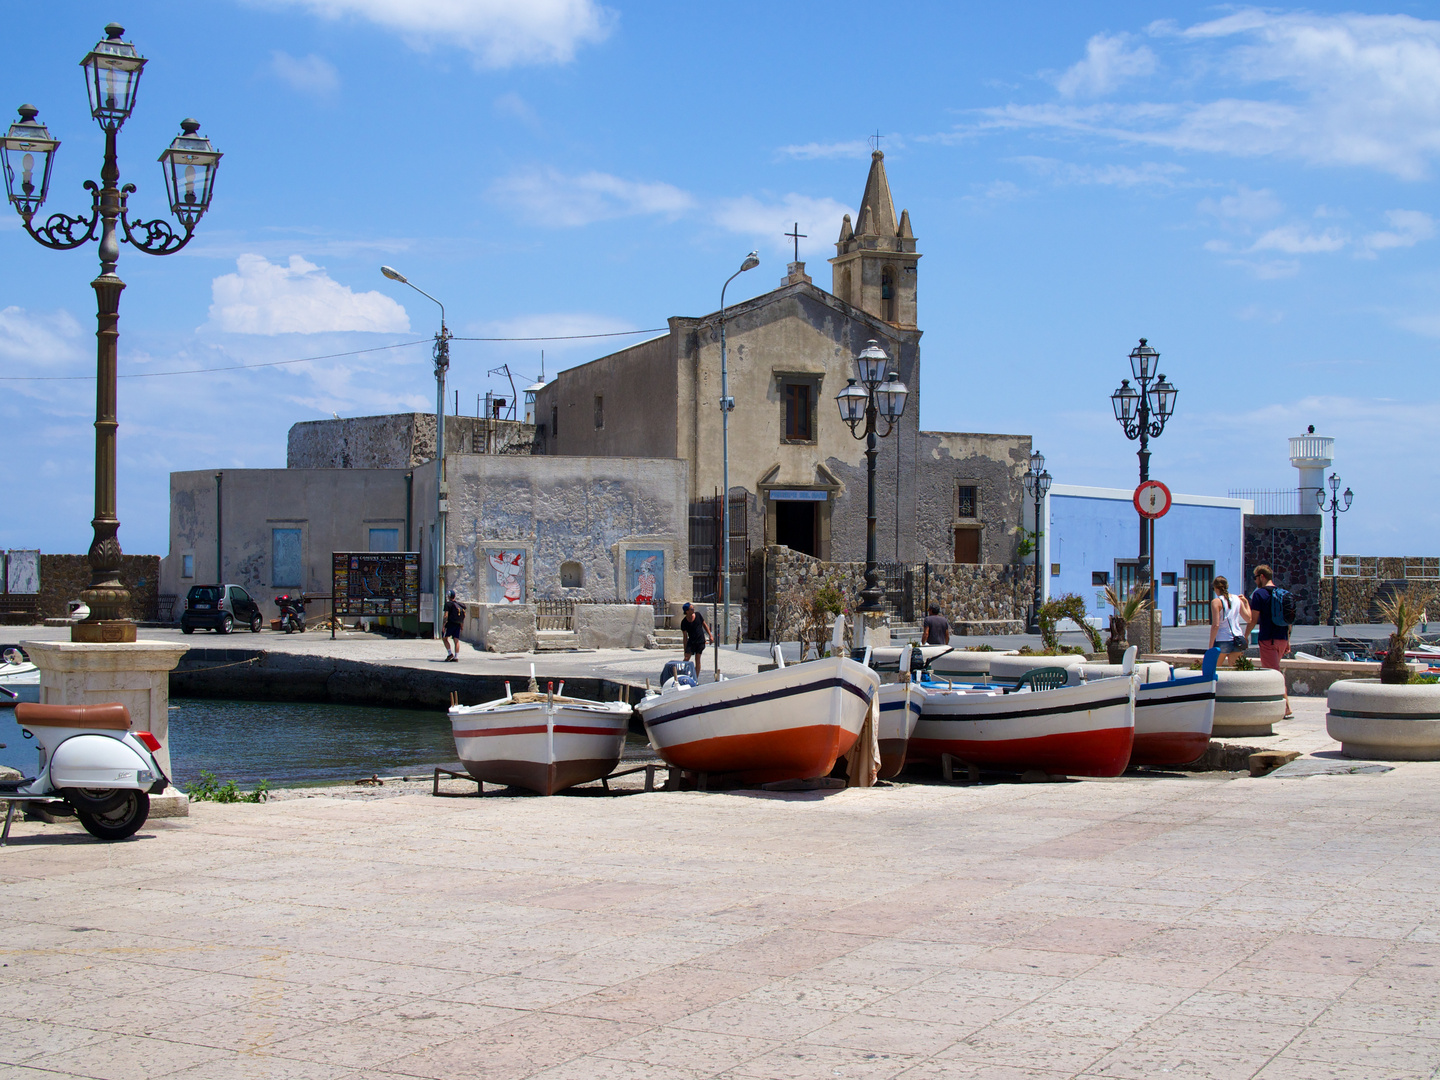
(442, 493)
(1037, 483)
(727, 403)
(112, 68)
(1334, 509)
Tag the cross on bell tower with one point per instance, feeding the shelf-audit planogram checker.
(875, 265)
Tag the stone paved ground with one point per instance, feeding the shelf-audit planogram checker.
(1193, 927)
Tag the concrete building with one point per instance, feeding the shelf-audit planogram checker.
(1091, 539)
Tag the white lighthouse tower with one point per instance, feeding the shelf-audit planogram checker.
(1312, 454)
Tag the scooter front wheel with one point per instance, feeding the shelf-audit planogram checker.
(120, 822)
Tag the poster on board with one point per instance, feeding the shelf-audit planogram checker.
(504, 570)
(645, 575)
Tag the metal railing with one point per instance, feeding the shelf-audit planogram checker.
(1284, 501)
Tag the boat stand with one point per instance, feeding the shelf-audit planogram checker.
(948, 765)
(649, 771)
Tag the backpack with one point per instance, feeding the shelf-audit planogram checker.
(1282, 606)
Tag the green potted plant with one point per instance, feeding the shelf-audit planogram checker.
(1391, 718)
(1127, 610)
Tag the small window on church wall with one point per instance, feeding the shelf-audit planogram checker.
(969, 498)
(887, 292)
(599, 411)
(572, 575)
(554, 421)
(797, 413)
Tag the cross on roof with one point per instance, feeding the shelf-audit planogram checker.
(797, 236)
(874, 140)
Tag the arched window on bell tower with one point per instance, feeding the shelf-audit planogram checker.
(887, 293)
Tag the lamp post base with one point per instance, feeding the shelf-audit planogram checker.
(105, 631)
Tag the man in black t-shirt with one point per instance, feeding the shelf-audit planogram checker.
(936, 628)
(692, 626)
(454, 622)
(1274, 639)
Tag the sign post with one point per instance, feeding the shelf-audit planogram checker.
(1152, 500)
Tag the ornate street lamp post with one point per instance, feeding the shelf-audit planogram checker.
(1334, 510)
(1143, 414)
(1037, 483)
(877, 395)
(112, 74)
(727, 403)
(442, 492)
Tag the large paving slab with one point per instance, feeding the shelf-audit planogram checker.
(1204, 926)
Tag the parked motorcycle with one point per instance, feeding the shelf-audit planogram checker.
(292, 613)
(93, 762)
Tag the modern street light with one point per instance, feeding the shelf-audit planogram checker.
(442, 493)
(727, 403)
(1334, 510)
(27, 151)
(1143, 414)
(1037, 483)
(864, 404)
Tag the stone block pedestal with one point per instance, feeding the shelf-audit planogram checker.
(136, 674)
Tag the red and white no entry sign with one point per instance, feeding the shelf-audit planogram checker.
(1152, 499)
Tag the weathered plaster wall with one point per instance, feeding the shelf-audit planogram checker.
(562, 509)
(1290, 545)
(399, 440)
(637, 385)
(993, 463)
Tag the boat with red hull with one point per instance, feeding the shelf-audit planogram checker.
(1085, 730)
(1173, 719)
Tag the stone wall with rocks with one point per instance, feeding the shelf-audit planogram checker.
(1290, 545)
(1359, 596)
(399, 440)
(64, 577)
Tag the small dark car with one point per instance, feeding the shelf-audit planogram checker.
(220, 608)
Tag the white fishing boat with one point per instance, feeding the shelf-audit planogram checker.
(900, 707)
(1174, 719)
(791, 723)
(1085, 730)
(545, 742)
(19, 679)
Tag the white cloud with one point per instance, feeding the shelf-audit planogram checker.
(1297, 240)
(301, 298)
(548, 197)
(38, 338)
(309, 74)
(1148, 172)
(1109, 61)
(856, 148)
(501, 33)
(768, 220)
(1407, 228)
(1244, 206)
(1351, 90)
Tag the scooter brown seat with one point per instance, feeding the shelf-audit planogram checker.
(110, 716)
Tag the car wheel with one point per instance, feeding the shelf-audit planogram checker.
(186, 628)
(226, 624)
(255, 623)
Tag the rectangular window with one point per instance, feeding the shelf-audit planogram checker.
(554, 421)
(968, 502)
(1167, 578)
(286, 570)
(599, 411)
(797, 412)
(187, 566)
(1100, 577)
(384, 539)
(1198, 577)
(1127, 576)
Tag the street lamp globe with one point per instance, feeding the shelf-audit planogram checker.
(28, 152)
(190, 163)
(1348, 496)
(871, 365)
(1125, 401)
(112, 75)
(852, 401)
(1042, 483)
(890, 397)
(1162, 399)
(751, 261)
(1334, 483)
(1143, 360)
(1037, 463)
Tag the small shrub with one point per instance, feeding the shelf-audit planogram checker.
(209, 789)
(1244, 663)
(983, 648)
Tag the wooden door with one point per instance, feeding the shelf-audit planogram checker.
(967, 545)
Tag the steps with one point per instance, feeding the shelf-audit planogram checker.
(669, 639)
(556, 641)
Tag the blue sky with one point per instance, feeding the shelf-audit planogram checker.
(1252, 189)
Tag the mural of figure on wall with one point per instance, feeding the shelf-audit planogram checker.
(507, 583)
(645, 576)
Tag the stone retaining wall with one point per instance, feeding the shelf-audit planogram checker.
(64, 577)
(1358, 596)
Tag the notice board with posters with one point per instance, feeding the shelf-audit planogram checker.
(376, 582)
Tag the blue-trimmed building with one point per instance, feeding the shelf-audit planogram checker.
(1092, 539)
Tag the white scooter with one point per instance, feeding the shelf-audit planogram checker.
(91, 759)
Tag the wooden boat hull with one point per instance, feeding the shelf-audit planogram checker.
(788, 724)
(1173, 721)
(1086, 730)
(897, 724)
(543, 748)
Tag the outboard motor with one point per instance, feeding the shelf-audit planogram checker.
(681, 672)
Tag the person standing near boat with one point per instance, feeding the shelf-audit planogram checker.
(1274, 637)
(1229, 622)
(936, 628)
(696, 633)
(454, 622)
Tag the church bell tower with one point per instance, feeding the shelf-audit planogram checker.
(875, 263)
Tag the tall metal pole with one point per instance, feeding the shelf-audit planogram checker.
(1334, 567)
(872, 591)
(726, 404)
(442, 493)
(1035, 606)
(1144, 455)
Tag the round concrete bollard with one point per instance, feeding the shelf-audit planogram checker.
(1149, 671)
(1388, 723)
(1248, 703)
(963, 666)
(1009, 669)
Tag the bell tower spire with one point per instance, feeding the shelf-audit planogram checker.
(875, 265)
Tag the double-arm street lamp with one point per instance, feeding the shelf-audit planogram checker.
(1334, 510)
(112, 75)
(877, 393)
(1143, 413)
(442, 492)
(1037, 483)
(727, 403)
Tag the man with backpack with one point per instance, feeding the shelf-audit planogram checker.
(1273, 610)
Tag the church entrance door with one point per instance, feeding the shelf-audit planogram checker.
(796, 526)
